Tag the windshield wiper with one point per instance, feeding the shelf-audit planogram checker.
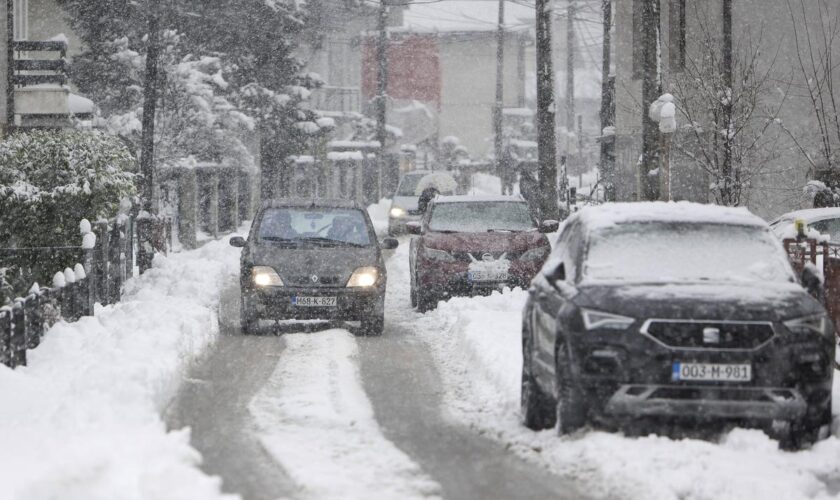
(330, 242)
(278, 239)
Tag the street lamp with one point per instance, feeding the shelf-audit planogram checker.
(664, 112)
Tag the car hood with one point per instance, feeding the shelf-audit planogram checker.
(332, 265)
(406, 202)
(724, 301)
(485, 242)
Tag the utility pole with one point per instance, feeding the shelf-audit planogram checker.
(382, 86)
(651, 89)
(10, 66)
(570, 66)
(547, 147)
(726, 168)
(147, 154)
(497, 109)
(607, 115)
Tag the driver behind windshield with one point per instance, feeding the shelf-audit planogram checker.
(277, 224)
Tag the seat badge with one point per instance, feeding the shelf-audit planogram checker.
(711, 335)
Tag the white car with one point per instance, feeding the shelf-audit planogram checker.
(825, 221)
(404, 207)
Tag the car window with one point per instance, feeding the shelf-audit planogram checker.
(828, 227)
(566, 250)
(321, 225)
(408, 185)
(481, 217)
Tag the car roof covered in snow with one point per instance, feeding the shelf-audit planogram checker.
(811, 214)
(609, 214)
(310, 202)
(484, 198)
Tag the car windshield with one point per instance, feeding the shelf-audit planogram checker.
(408, 184)
(318, 226)
(481, 217)
(668, 252)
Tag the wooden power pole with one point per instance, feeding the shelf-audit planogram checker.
(547, 147)
(497, 109)
(147, 154)
(607, 115)
(382, 86)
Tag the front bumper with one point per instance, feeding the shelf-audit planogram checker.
(450, 279)
(706, 402)
(397, 225)
(626, 374)
(352, 304)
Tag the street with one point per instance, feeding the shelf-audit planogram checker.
(398, 375)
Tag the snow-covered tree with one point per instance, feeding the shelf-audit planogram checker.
(731, 132)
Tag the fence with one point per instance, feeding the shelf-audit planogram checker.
(108, 253)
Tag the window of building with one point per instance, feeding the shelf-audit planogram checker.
(676, 23)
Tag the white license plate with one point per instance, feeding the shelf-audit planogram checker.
(711, 372)
(479, 276)
(314, 301)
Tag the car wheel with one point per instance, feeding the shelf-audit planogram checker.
(571, 409)
(249, 321)
(426, 301)
(413, 291)
(537, 408)
(808, 430)
(373, 325)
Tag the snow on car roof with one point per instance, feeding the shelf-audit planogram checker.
(658, 211)
(811, 214)
(478, 198)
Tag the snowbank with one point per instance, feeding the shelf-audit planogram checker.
(82, 420)
(317, 422)
(477, 346)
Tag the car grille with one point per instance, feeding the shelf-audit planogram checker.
(307, 281)
(415, 212)
(479, 256)
(709, 334)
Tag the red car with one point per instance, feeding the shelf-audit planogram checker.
(470, 245)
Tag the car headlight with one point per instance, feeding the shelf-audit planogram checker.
(438, 255)
(265, 276)
(535, 253)
(364, 277)
(817, 323)
(600, 320)
(397, 212)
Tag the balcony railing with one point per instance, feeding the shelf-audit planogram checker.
(41, 62)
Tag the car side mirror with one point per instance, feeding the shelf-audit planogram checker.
(389, 244)
(813, 282)
(549, 226)
(238, 242)
(413, 227)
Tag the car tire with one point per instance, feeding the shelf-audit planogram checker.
(373, 325)
(538, 409)
(807, 431)
(249, 321)
(426, 301)
(571, 408)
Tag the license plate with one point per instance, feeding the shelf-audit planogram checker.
(314, 301)
(479, 276)
(711, 372)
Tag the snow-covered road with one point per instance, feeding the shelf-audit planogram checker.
(160, 394)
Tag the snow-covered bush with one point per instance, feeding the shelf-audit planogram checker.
(50, 180)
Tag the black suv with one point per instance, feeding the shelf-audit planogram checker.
(312, 259)
(675, 312)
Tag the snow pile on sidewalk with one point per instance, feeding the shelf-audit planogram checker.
(476, 343)
(317, 422)
(82, 420)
